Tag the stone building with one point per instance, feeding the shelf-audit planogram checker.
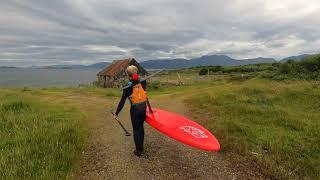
(114, 75)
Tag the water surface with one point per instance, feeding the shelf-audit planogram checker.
(21, 77)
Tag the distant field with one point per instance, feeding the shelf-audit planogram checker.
(38, 140)
(275, 123)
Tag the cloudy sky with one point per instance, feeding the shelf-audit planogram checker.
(46, 32)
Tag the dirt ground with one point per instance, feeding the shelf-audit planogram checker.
(109, 153)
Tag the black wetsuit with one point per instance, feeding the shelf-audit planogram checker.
(138, 115)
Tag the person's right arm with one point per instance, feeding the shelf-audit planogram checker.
(122, 101)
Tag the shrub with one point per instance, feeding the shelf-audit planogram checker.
(216, 68)
(276, 64)
(272, 68)
(311, 64)
(267, 75)
(284, 68)
(203, 72)
(154, 85)
(308, 68)
(25, 89)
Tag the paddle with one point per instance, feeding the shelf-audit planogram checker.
(124, 129)
(144, 78)
(149, 106)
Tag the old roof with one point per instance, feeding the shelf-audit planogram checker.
(116, 67)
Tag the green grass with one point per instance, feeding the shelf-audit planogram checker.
(274, 123)
(38, 140)
(85, 90)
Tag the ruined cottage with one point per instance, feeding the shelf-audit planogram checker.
(114, 75)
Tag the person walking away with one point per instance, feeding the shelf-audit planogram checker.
(137, 95)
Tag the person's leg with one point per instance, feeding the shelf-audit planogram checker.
(135, 127)
(140, 135)
(138, 116)
(141, 119)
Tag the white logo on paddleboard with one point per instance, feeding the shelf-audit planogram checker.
(195, 132)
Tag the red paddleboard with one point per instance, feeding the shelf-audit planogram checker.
(182, 129)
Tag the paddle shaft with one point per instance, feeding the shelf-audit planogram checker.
(149, 106)
(144, 78)
(123, 128)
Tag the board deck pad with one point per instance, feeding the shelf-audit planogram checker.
(182, 129)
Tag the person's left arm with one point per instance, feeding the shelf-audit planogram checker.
(144, 85)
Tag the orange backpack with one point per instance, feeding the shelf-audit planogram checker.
(139, 95)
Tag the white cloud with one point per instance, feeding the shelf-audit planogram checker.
(97, 48)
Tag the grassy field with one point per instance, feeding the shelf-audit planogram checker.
(275, 123)
(38, 140)
(88, 90)
(272, 122)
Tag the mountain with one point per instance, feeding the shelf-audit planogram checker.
(201, 61)
(256, 61)
(213, 60)
(165, 64)
(99, 65)
(62, 67)
(221, 60)
(295, 58)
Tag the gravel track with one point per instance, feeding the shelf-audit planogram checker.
(109, 154)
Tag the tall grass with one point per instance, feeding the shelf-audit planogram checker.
(38, 141)
(276, 124)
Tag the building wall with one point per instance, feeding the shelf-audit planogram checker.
(115, 81)
(119, 79)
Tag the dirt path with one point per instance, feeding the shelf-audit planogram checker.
(109, 154)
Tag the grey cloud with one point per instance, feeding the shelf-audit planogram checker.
(53, 32)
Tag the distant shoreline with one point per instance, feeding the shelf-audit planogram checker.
(8, 67)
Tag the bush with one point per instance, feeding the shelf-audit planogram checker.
(285, 68)
(216, 68)
(308, 68)
(203, 72)
(276, 64)
(311, 64)
(272, 68)
(154, 85)
(267, 75)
